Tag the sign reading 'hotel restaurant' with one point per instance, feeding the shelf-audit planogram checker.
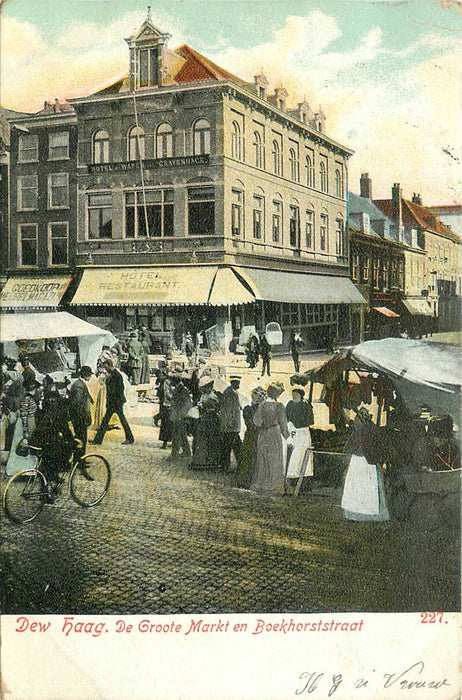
(149, 164)
(144, 286)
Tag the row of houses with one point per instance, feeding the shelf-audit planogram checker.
(182, 196)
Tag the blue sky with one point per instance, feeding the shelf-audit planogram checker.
(387, 73)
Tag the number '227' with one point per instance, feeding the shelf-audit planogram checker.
(431, 617)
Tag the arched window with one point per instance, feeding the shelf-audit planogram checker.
(164, 141)
(135, 145)
(201, 137)
(323, 176)
(259, 150)
(236, 142)
(309, 171)
(293, 160)
(277, 169)
(338, 183)
(100, 147)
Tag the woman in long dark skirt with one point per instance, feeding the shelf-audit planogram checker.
(207, 446)
(249, 445)
(165, 397)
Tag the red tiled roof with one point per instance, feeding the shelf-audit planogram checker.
(417, 215)
(447, 209)
(198, 67)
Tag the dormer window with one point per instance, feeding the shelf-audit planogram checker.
(147, 72)
(147, 54)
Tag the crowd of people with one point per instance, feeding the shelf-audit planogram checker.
(257, 346)
(269, 441)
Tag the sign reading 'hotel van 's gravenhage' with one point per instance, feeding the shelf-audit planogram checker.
(150, 164)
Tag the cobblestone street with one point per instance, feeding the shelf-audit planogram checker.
(170, 540)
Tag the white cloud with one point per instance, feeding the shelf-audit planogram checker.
(85, 54)
(398, 118)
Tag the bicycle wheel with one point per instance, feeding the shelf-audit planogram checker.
(89, 480)
(25, 496)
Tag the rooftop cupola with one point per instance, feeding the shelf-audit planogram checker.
(147, 48)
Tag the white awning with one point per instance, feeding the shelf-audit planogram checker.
(145, 286)
(228, 289)
(33, 292)
(300, 288)
(418, 307)
(385, 311)
(45, 325)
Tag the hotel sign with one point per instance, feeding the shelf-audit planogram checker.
(150, 164)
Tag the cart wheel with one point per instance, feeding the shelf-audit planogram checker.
(426, 511)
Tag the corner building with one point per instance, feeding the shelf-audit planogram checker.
(202, 198)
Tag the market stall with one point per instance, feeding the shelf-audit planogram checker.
(18, 328)
(413, 389)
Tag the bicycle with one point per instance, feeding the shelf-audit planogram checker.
(29, 490)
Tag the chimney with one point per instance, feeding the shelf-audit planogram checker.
(365, 186)
(397, 204)
(416, 198)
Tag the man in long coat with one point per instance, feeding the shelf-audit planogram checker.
(80, 401)
(115, 399)
(230, 422)
(135, 353)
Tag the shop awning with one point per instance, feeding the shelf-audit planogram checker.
(33, 292)
(385, 311)
(299, 288)
(145, 286)
(228, 289)
(44, 325)
(418, 307)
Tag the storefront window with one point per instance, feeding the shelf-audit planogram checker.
(201, 211)
(289, 315)
(149, 215)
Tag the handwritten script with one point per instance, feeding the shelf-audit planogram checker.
(412, 677)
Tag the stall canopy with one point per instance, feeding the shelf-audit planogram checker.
(33, 292)
(56, 325)
(418, 307)
(423, 373)
(144, 286)
(299, 288)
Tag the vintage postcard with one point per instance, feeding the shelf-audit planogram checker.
(230, 295)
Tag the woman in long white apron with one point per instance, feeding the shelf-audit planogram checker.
(364, 491)
(299, 417)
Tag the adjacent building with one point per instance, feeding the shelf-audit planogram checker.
(377, 262)
(43, 207)
(183, 196)
(432, 260)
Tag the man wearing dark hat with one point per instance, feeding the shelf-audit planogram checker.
(230, 422)
(135, 358)
(115, 399)
(80, 401)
